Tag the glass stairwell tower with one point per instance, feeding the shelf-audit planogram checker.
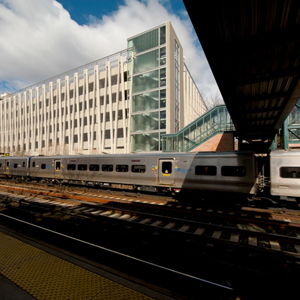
(155, 59)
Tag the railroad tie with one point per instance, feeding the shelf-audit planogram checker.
(297, 247)
(125, 217)
(234, 237)
(184, 228)
(217, 234)
(97, 212)
(133, 218)
(145, 221)
(275, 245)
(115, 215)
(170, 225)
(106, 213)
(157, 223)
(199, 231)
(252, 241)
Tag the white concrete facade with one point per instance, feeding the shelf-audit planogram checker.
(194, 106)
(86, 110)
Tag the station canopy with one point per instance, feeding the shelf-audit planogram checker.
(253, 48)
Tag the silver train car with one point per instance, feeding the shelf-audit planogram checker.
(232, 171)
(285, 173)
(14, 166)
(237, 172)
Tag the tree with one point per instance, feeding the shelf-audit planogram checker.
(214, 100)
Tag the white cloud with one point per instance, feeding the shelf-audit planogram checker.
(39, 39)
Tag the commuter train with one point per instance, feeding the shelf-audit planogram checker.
(276, 174)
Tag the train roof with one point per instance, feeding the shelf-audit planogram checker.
(143, 155)
(285, 153)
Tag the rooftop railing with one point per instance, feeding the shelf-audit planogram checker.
(90, 67)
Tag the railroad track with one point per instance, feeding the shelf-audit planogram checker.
(270, 230)
(233, 240)
(241, 228)
(80, 193)
(36, 212)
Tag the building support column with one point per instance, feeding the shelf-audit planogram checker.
(128, 134)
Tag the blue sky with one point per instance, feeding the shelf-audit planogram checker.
(80, 10)
(42, 38)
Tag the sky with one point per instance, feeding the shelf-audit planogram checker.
(40, 39)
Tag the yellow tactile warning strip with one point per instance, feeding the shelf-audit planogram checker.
(45, 276)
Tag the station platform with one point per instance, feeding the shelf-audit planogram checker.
(28, 272)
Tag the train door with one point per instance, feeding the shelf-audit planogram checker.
(6, 167)
(166, 171)
(57, 167)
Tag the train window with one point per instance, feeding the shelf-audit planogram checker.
(290, 172)
(82, 167)
(57, 165)
(138, 168)
(33, 164)
(23, 164)
(43, 166)
(167, 167)
(122, 168)
(233, 171)
(7, 163)
(94, 168)
(71, 167)
(15, 166)
(206, 170)
(0, 165)
(107, 168)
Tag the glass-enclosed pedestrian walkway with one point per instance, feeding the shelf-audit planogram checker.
(217, 120)
(293, 125)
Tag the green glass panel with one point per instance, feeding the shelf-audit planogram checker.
(162, 141)
(294, 116)
(145, 142)
(162, 35)
(145, 101)
(163, 77)
(146, 61)
(175, 144)
(145, 122)
(162, 57)
(163, 119)
(145, 41)
(162, 98)
(170, 144)
(294, 134)
(146, 81)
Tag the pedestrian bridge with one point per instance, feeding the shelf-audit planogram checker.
(218, 121)
(215, 121)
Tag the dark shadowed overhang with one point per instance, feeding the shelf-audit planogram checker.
(253, 48)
